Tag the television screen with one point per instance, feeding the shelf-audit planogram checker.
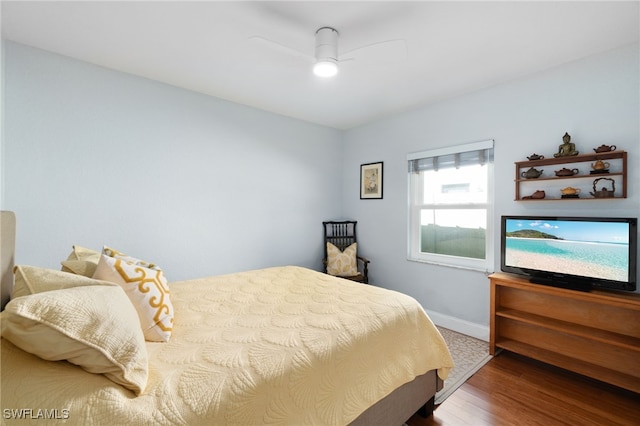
(573, 252)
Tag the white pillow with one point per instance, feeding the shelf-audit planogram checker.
(32, 280)
(89, 326)
(342, 263)
(148, 291)
(129, 259)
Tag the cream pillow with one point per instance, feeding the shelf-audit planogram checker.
(77, 325)
(342, 263)
(81, 261)
(32, 280)
(148, 291)
(81, 253)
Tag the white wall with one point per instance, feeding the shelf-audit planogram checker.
(199, 185)
(595, 100)
(203, 186)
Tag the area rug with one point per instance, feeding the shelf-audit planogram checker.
(469, 355)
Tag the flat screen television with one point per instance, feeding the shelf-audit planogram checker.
(572, 252)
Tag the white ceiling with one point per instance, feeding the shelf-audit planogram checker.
(451, 47)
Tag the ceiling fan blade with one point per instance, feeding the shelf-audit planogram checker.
(395, 50)
(274, 45)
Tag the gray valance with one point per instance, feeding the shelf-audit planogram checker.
(478, 153)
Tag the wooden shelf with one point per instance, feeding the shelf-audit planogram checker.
(603, 336)
(594, 333)
(604, 374)
(547, 180)
(571, 199)
(554, 161)
(557, 178)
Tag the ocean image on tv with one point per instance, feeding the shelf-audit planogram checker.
(591, 249)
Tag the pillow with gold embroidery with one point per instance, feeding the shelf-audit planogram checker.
(342, 263)
(130, 259)
(148, 291)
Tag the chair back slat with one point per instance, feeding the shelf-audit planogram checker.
(340, 234)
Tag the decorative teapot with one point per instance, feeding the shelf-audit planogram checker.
(531, 173)
(538, 195)
(570, 191)
(600, 165)
(535, 157)
(604, 192)
(566, 172)
(605, 148)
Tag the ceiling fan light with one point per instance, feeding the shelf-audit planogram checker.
(325, 68)
(326, 52)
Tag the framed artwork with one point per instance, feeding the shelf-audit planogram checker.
(371, 181)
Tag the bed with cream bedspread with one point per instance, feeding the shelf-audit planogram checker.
(283, 345)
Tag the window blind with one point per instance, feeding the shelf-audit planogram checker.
(454, 157)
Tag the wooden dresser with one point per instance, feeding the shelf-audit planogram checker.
(594, 333)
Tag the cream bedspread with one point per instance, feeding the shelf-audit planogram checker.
(283, 345)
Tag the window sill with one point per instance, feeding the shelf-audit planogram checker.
(479, 268)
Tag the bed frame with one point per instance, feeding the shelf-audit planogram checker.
(417, 396)
(396, 408)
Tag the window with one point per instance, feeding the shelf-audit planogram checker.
(450, 204)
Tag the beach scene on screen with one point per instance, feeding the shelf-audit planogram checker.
(591, 249)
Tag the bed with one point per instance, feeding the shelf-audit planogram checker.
(282, 345)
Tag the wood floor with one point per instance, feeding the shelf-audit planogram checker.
(511, 390)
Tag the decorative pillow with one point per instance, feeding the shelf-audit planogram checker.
(81, 261)
(129, 259)
(32, 280)
(75, 324)
(148, 291)
(342, 263)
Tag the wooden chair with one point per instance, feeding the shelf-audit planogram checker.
(342, 235)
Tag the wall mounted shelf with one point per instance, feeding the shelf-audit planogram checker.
(583, 181)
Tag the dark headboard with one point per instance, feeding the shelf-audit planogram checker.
(7, 254)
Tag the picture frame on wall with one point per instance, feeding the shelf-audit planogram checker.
(371, 181)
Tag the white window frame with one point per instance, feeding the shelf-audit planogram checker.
(415, 188)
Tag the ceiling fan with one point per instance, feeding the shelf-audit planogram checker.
(326, 57)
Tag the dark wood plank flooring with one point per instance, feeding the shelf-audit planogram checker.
(512, 390)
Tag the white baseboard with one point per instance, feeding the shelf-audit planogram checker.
(461, 326)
